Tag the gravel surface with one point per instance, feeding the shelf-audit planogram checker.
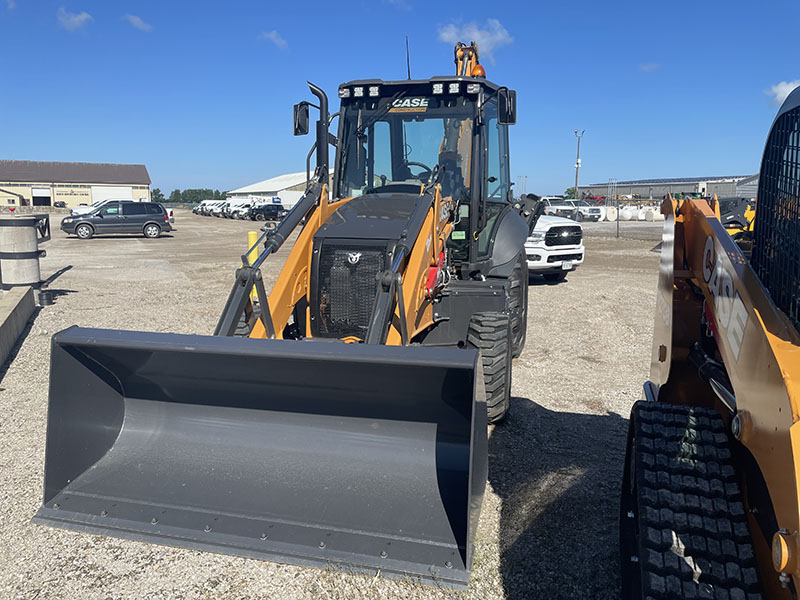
(548, 528)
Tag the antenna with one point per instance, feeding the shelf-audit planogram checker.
(408, 59)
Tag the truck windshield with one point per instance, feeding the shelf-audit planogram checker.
(393, 144)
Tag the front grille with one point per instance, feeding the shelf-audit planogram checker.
(563, 236)
(776, 237)
(346, 289)
(560, 257)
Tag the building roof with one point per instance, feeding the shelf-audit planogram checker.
(72, 172)
(677, 180)
(276, 184)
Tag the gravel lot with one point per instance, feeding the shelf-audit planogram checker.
(548, 527)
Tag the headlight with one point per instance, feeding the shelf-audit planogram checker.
(536, 236)
(67, 220)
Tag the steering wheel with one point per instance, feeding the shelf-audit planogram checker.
(427, 172)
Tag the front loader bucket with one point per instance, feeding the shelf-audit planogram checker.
(367, 458)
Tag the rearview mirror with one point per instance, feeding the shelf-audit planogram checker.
(301, 118)
(506, 106)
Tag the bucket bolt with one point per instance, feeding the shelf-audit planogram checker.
(322, 544)
(103, 513)
(207, 528)
(383, 554)
(154, 520)
(56, 505)
(264, 536)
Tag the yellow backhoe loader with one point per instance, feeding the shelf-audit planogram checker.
(349, 426)
(710, 501)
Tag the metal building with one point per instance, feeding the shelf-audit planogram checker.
(658, 188)
(35, 183)
(283, 189)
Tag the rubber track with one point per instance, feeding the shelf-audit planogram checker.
(489, 332)
(694, 541)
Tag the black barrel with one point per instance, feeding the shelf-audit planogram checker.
(373, 458)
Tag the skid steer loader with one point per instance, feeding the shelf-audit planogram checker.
(350, 427)
(710, 494)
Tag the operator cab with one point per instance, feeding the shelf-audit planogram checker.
(396, 136)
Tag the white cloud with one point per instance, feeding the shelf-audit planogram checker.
(73, 21)
(647, 67)
(138, 23)
(489, 38)
(781, 90)
(274, 37)
(11, 4)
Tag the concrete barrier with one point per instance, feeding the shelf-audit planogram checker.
(16, 308)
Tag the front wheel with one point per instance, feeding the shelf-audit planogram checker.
(518, 305)
(579, 217)
(152, 231)
(84, 232)
(490, 332)
(259, 216)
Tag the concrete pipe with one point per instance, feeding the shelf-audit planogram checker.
(611, 213)
(641, 214)
(659, 216)
(650, 214)
(19, 249)
(627, 213)
(602, 213)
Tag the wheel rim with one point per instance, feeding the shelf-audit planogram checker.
(83, 232)
(151, 231)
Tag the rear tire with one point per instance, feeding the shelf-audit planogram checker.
(555, 277)
(682, 515)
(518, 305)
(152, 231)
(259, 217)
(490, 332)
(84, 231)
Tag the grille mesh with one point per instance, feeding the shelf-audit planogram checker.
(346, 290)
(563, 236)
(776, 239)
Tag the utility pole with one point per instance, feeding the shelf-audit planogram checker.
(578, 161)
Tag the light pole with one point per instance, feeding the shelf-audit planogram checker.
(578, 161)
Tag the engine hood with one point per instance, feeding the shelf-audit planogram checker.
(545, 222)
(374, 217)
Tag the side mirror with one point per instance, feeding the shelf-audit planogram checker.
(506, 106)
(301, 118)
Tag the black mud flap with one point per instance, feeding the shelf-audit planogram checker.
(362, 458)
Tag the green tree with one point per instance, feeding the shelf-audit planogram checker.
(156, 195)
(175, 196)
(217, 195)
(569, 192)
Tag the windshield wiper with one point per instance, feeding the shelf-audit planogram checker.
(381, 113)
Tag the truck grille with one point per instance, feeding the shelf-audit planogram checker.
(560, 257)
(563, 236)
(776, 253)
(346, 289)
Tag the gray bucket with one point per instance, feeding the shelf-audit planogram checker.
(362, 457)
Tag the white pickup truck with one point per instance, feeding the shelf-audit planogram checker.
(554, 248)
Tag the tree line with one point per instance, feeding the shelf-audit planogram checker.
(191, 196)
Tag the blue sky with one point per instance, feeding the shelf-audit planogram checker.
(201, 92)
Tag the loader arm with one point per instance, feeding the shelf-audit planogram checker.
(704, 275)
